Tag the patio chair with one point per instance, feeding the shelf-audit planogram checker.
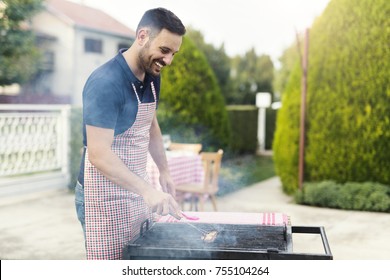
(199, 192)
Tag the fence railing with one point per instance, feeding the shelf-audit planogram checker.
(34, 145)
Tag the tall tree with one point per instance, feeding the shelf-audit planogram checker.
(288, 61)
(216, 57)
(250, 74)
(19, 56)
(191, 96)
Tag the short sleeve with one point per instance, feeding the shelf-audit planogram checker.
(101, 103)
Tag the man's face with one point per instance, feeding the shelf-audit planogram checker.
(159, 51)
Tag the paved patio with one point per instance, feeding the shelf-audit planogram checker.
(45, 227)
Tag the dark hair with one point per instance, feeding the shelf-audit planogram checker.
(160, 18)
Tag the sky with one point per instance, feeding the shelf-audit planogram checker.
(269, 26)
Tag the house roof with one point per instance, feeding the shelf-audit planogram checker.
(88, 17)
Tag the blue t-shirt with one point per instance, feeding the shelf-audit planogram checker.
(109, 100)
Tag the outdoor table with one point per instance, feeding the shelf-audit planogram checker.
(184, 167)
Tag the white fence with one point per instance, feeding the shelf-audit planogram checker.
(34, 145)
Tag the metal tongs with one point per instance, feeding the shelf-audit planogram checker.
(192, 218)
(207, 236)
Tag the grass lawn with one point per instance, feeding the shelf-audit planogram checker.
(240, 172)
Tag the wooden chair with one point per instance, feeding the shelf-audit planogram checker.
(193, 147)
(209, 187)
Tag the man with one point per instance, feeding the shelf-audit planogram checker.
(120, 127)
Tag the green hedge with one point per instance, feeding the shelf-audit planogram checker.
(244, 126)
(243, 120)
(270, 125)
(348, 99)
(366, 196)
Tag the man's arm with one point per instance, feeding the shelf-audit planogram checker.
(157, 151)
(112, 167)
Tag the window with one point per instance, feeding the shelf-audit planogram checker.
(48, 61)
(93, 45)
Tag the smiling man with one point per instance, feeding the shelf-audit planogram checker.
(113, 195)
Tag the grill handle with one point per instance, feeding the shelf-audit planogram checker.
(314, 230)
(144, 227)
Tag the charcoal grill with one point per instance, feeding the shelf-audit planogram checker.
(168, 241)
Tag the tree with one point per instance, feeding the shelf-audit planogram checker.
(348, 99)
(19, 56)
(289, 60)
(216, 57)
(191, 99)
(250, 74)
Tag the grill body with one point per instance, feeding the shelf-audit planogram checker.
(167, 241)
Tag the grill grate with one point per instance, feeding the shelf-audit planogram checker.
(230, 237)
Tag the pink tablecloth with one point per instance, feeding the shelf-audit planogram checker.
(184, 168)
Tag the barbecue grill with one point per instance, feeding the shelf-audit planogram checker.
(168, 241)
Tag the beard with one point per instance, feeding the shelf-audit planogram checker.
(146, 62)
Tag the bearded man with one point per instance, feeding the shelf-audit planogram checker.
(113, 196)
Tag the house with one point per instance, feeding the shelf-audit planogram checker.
(75, 40)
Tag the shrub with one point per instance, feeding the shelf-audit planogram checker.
(365, 196)
(190, 96)
(286, 138)
(243, 119)
(348, 108)
(270, 120)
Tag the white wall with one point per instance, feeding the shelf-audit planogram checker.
(72, 64)
(85, 63)
(63, 48)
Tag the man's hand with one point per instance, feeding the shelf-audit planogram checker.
(162, 203)
(167, 184)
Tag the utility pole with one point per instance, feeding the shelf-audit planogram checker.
(304, 65)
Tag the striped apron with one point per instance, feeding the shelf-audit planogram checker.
(114, 215)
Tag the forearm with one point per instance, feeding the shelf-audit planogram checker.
(109, 164)
(116, 171)
(113, 168)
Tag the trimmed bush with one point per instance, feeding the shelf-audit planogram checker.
(270, 123)
(190, 96)
(243, 119)
(366, 196)
(348, 99)
(286, 138)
